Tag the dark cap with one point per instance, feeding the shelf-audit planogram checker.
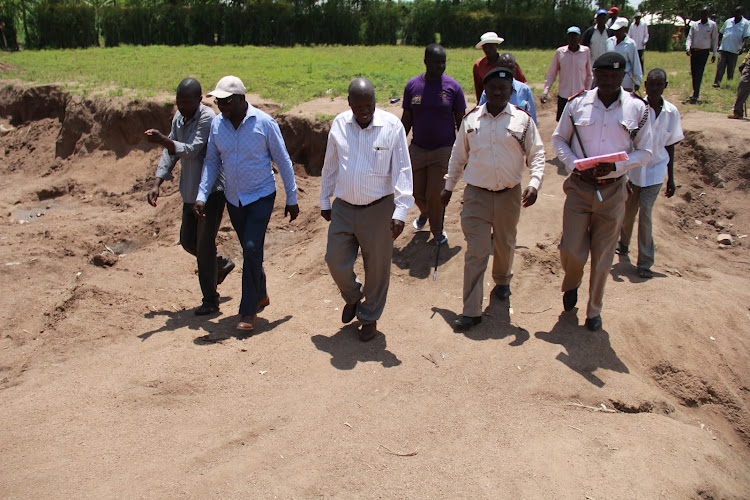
(610, 60)
(498, 73)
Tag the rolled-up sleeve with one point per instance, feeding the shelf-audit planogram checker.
(193, 149)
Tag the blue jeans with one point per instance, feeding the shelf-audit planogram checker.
(250, 222)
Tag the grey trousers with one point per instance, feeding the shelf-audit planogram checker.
(486, 212)
(641, 200)
(727, 61)
(590, 225)
(368, 228)
(743, 91)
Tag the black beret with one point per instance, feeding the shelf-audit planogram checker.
(498, 73)
(610, 60)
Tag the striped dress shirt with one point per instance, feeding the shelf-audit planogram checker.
(363, 165)
(244, 156)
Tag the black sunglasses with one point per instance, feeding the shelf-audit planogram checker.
(224, 101)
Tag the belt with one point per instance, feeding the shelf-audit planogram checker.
(369, 204)
(491, 190)
(596, 182)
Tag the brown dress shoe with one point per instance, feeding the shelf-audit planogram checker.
(263, 303)
(247, 323)
(734, 117)
(368, 331)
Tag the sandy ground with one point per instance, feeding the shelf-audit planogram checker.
(108, 389)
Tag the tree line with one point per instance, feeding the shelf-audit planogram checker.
(454, 23)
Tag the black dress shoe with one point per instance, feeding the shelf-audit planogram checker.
(368, 331)
(570, 299)
(349, 312)
(502, 292)
(594, 323)
(206, 309)
(467, 321)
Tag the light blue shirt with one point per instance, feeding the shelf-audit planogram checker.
(244, 156)
(521, 97)
(734, 34)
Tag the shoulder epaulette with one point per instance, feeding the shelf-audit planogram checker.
(574, 96)
(471, 110)
(519, 108)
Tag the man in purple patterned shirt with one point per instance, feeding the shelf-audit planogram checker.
(433, 105)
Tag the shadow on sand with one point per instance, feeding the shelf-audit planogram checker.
(495, 325)
(346, 350)
(418, 256)
(587, 351)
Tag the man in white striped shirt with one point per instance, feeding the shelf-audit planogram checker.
(367, 168)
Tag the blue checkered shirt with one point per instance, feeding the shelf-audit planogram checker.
(244, 156)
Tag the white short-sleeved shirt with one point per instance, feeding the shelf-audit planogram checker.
(488, 150)
(666, 130)
(623, 126)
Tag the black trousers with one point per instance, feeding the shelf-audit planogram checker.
(561, 102)
(198, 237)
(698, 58)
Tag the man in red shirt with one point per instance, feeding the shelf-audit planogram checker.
(488, 43)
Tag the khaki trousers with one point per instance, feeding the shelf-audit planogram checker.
(590, 225)
(485, 213)
(368, 228)
(428, 169)
(641, 200)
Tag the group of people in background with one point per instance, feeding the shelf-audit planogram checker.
(372, 176)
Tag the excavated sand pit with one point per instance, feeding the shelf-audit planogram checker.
(107, 388)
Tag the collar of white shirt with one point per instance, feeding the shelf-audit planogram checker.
(377, 119)
(484, 111)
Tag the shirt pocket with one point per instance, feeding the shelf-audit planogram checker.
(381, 164)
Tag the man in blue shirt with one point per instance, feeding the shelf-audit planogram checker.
(732, 37)
(521, 95)
(241, 144)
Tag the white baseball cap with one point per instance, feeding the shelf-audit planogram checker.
(620, 22)
(227, 86)
(489, 37)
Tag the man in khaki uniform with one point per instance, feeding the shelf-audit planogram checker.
(601, 121)
(494, 143)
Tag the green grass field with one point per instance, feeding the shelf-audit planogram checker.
(293, 75)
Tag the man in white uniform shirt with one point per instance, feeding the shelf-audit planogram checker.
(702, 38)
(494, 143)
(607, 120)
(732, 36)
(622, 43)
(367, 168)
(638, 31)
(646, 181)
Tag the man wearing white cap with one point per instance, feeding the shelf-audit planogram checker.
(620, 42)
(488, 42)
(638, 31)
(574, 65)
(241, 145)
